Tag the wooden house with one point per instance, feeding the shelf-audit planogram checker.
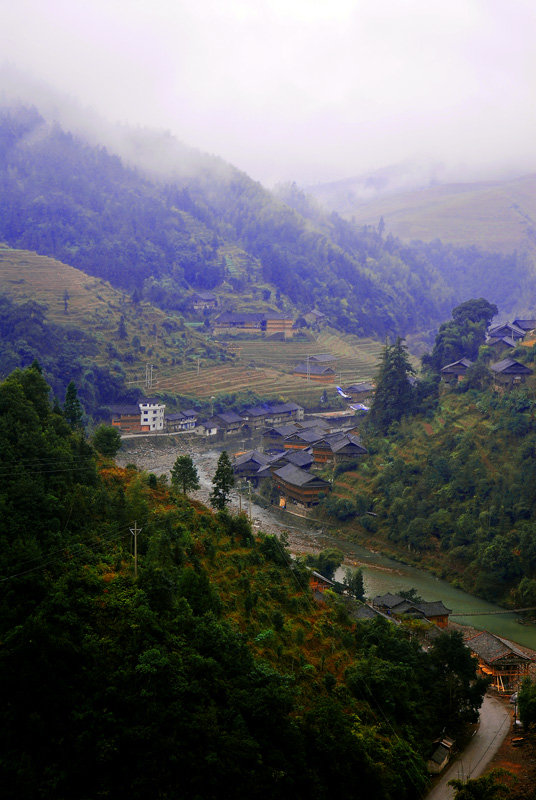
(508, 373)
(201, 301)
(525, 325)
(302, 439)
(228, 421)
(246, 466)
(506, 329)
(452, 373)
(314, 318)
(282, 413)
(319, 583)
(501, 346)
(181, 421)
(320, 373)
(432, 611)
(359, 391)
(126, 418)
(258, 323)
(337, 448)
(255, 417)
(299, 485)
(500, 660)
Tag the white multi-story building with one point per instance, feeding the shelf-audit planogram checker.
(152, 414)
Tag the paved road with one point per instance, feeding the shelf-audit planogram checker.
(495, 721)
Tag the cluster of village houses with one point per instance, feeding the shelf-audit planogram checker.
(501, 339)
(291, 443)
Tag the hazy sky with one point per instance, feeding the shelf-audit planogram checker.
(310, 90)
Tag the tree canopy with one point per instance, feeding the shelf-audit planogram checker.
(394, 396)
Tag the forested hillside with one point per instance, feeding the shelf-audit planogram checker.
(450, 480)
(162, 235)
(212, 668)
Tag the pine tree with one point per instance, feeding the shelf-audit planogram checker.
(222, 483)
(184, 474)
(72, 409)
(394, 395)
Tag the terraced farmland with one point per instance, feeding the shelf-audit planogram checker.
(266, 368)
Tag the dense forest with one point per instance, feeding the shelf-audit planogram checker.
(211, 667)
(450, 479)
(160, 236)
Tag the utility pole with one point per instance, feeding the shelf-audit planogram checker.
(239, 497)
(149, 376)
(134, 531)
(249, 486)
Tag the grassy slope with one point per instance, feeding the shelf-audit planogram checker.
(493, 215)
(262, 366)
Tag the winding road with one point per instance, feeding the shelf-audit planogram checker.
(494, 725)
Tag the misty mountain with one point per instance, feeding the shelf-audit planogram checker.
(164, 232)
(497, 215)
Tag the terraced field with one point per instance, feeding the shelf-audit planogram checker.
(266, 368)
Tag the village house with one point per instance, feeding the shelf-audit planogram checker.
(501, 346)
(506, 329)
(246, 466)
(525, 325)
(257, 323)
(181, 421)
(228, 422)
(299, 485)
(281, 413)
(314, 317)
(208, 427)
(320, 373)
(337, 448)
(318, 584)
(147, 416)
(202, 301)
(359, 391)
(500, 660)
(126, 418)
(302, 439)
(508, 373)
(433, 611)
(452, 373)
(255, 417)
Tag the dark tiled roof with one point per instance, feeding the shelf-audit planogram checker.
(322, 358)
(204, 296)
(310, 435)
(175, 417)
(347, 441)
(388, 600)
(296, 476)
(282, 430)
(502, 340)
(229, 417)
(255, 411)
(462, 362)
(510, 366)
(251, 455)
(125, 410)
(434, 608)
(189, 412)
(360, 387)
(300, 458)
(313, 369)
(497, 330)
(525, 324)
(282, 408)
(492, 648)
(313, 423)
